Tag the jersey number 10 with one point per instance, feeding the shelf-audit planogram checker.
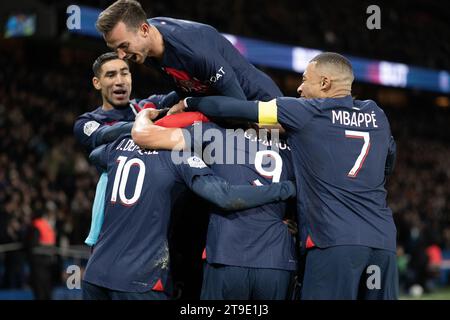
(121, 178)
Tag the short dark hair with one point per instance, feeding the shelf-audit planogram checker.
(129, 12)
(335, 59)
(101, 60)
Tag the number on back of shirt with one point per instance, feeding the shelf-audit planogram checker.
(121, 179)
(277, 167)
(364, 150)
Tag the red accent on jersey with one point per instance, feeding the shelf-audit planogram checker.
(186, 82)
(148, 105)
(110, 123)
(158, 286)
(309, 242)
(204, 254)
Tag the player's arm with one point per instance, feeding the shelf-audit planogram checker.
(107, 134)
(203, 182)
(391, 157)
(235, 197)
(164, 133)
(99, 157)
(222, 77)
(223, 107)
(92, 134)
(158, 101)
(150, 136)
(291, 113)
(232, 88)
(198, 177)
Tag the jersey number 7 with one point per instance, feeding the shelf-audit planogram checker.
(364, 151)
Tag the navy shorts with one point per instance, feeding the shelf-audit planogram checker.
(350, 272)
(93, 292)
(222, 282)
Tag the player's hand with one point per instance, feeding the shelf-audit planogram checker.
(292, 226)
(151, 113)
(177, 108)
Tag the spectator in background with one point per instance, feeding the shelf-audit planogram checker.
(12, 231)
(40, 243)
(434, 254)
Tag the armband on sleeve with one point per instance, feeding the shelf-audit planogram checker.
(267, 112)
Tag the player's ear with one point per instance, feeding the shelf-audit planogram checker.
(144, 29)
(325, 83)
(96, 83)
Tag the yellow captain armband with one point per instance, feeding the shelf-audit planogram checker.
(267, 112)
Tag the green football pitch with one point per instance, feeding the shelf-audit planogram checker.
(439, 294)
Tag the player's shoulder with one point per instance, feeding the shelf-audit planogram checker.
(177, 28)
(369, 106)
(363, 104)
(177, 160)
(88, 122)
(298, 102)
(123, 142)
(125, 146)
(90, 114)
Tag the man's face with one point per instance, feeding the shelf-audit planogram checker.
(114, 83)
(128, 43)
(311, 82)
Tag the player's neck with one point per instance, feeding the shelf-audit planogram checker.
(340, 93)
(106, 106)
(156, 44)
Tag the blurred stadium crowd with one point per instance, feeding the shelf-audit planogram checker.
(407, 27)
(43, 88)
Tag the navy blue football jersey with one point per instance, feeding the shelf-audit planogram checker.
(342, 151)
(340, 147)
(201, 62)
(256, 237)
(88, 126)
(132, 253)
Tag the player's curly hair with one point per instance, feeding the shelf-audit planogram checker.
(130, 12)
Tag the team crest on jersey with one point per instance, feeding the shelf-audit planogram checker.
(90, 127)
(196, 162)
